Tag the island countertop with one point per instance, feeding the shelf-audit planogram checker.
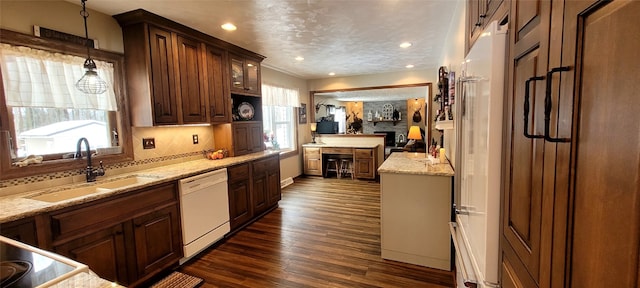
(414, 163)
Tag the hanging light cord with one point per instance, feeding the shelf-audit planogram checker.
(90, 83)
(88, 64)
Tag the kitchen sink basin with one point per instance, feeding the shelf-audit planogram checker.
(62, 195)
(119, 183)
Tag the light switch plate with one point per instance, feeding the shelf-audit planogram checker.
(148, 143)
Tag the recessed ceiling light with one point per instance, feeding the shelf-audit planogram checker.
(229, 27)
(331, 74)
(405, 45)
(299, 58)
(409, 66)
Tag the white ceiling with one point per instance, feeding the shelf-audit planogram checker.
(348, 37)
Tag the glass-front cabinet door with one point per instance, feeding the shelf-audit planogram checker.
(237, 73)
(252, 76)
(245, 75)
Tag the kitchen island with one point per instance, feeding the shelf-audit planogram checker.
(415, 211)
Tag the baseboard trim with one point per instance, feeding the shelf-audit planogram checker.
(286, 182)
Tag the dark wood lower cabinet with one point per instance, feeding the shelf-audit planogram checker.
(158, 243)
(23, 230)
(104, 251)
(127, 239)
(239, 195)
(254, 188)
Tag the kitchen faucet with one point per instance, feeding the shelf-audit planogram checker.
(90, 172)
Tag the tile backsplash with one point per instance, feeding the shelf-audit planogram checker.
(173, 145)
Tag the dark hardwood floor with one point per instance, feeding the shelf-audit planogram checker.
(325, 233)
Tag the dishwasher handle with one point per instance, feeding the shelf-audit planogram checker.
(203, 181)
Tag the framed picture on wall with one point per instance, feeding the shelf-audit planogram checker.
(302, 113)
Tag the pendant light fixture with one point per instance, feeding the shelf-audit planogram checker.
(90, 83)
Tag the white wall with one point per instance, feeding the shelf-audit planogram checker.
(291, 166)
(20, 16)
(452, 55)
(383, 79)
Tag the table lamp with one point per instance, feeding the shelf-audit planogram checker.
(313, 132)
(414, 134)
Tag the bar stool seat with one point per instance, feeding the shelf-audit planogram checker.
(346, 167)
(332, 166)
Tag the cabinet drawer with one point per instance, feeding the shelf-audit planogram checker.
(260, 166)
(364, 153)
(312, 152)
(73, 221)
(238, 172)
(337, 150)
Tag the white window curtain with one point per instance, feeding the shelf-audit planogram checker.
(37, 78)
(279, 96)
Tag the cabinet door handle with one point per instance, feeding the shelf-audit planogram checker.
(526, 107)
(212, 112)
(548, 104)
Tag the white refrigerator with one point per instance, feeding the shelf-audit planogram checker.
(479, 115)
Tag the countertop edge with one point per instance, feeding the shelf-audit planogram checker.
(17, 206)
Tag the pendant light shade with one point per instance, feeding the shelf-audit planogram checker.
(90, 83)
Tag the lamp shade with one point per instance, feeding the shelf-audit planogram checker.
(414, 133)
(314, 127)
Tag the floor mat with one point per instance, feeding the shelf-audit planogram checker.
(178, 280)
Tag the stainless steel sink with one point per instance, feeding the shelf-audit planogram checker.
(109, 185)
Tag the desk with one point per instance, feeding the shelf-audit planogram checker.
(364, 158)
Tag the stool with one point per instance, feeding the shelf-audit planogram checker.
(332, 166)
(346, 167)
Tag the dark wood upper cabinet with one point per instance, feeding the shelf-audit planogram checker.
(216, 87)
(245, 75)
(177, 75)
(479, 14)
(192, 81)
(162, 77)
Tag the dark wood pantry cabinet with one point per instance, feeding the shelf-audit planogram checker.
(571, 205)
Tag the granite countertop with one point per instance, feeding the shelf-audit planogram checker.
(88, 280)
(414, 163)
(322, 145)
(18, 206)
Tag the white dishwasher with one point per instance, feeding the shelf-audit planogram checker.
(204, 207)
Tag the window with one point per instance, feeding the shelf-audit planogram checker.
(45, 115)
(278, 115)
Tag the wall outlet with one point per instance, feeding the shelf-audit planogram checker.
(148, 143)
(195, 138)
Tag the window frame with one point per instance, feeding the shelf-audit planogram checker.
(7, 170)
(294, 125)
